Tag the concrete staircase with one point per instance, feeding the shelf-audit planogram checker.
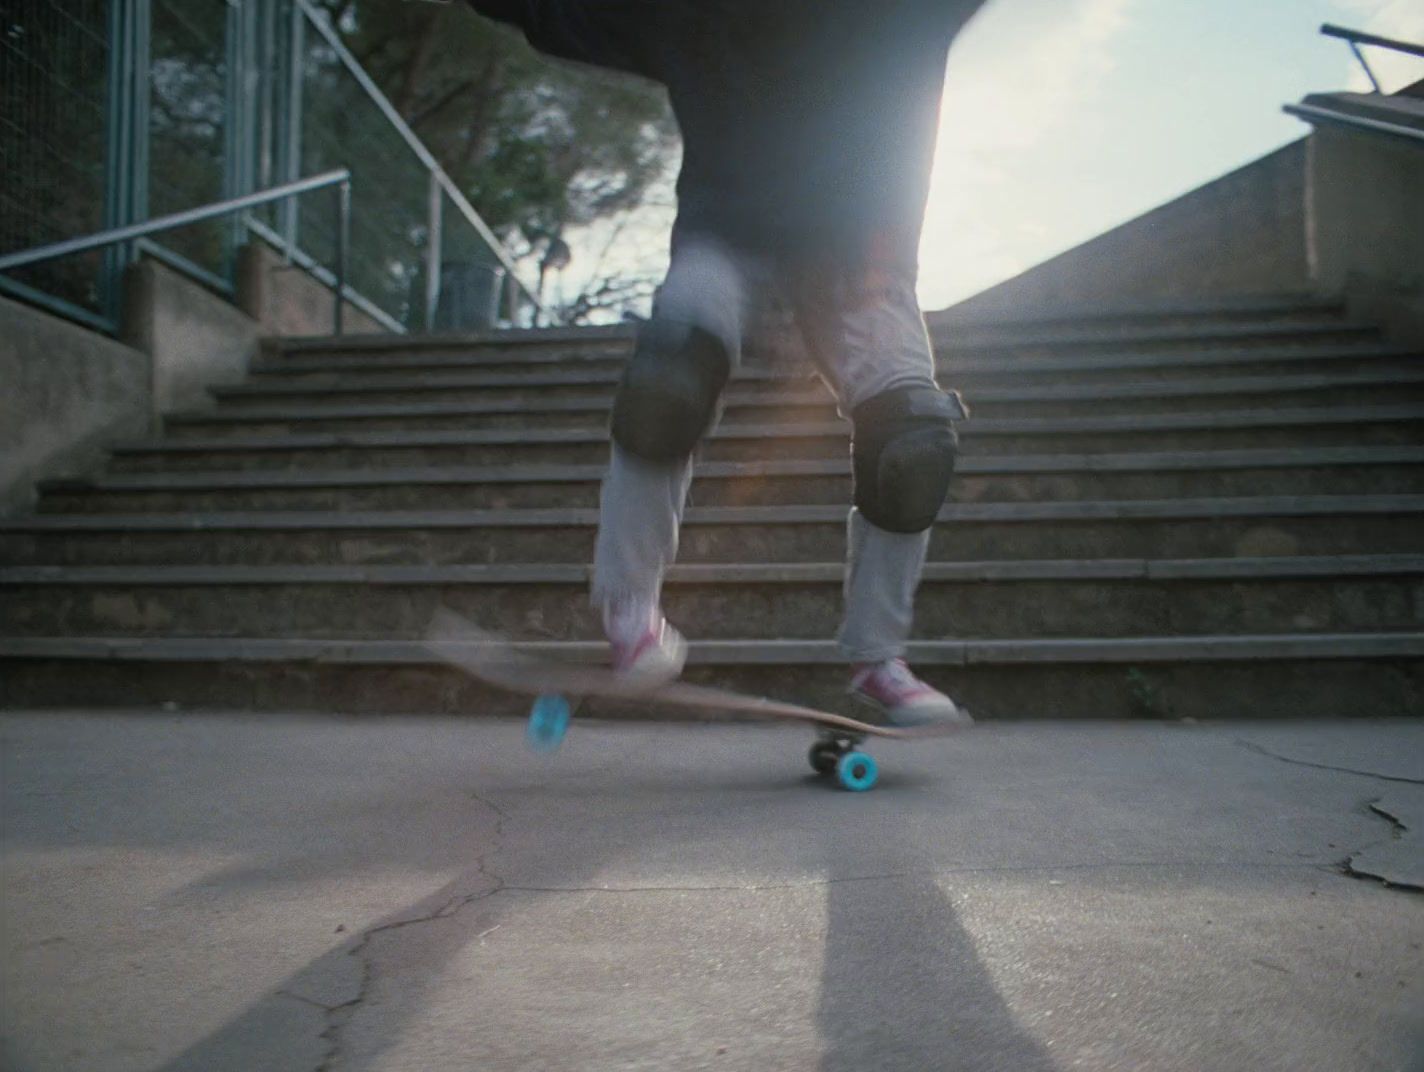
(1206, 510)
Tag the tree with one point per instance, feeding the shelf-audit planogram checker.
(543, 150)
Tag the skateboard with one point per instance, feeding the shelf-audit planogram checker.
(496, 661)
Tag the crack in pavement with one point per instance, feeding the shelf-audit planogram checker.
(338, 1016)
(1394, 820)
(1397, 831)
(1347, 866)
(1251, 746)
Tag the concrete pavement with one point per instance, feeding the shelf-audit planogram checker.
(235, 892)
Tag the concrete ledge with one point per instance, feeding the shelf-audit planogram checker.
(1339, 646)
(343, 370)
(346, 377)
(1222, 419)
(285, 299)
(1234, 305)
(986, 334)
(1243, 305)
(1302, 566)
(518, 337)
(567, 378)
(1008, 337)
(1295, 383)
(1131, 509)
(194, 338)
(1145, 462)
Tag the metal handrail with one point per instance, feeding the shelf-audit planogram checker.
(338, 177)
(1361, 38)
(1356, 38)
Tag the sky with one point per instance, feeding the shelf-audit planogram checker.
(1064, 118)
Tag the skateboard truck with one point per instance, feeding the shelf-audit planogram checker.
(837, 752)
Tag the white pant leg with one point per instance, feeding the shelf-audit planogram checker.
(866, 344)
(882, 572)
(641, 504)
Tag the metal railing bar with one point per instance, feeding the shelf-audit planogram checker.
(1310, 112)
(116, 235)
(332, 38)
(60, 306)
(1361, 38)
(1369, 71)
(323, 275)
(352, 65)
(180, 263)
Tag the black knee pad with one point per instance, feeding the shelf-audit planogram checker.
(667, 399)
(903, 456)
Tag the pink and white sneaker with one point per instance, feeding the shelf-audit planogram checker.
(893, 690)
(647, 651)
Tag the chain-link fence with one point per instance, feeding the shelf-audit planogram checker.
(54, 65)
(390, 201)
(117, 111)
(187, 123)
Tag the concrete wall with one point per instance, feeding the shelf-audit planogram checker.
(1242, 233)
(1365, 206)
(68, 393)
(65, 394)
(284, 299)
(195, 338)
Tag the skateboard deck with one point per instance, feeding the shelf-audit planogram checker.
(498, 662)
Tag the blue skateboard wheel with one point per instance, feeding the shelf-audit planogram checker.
(857, 771)
(548, 722)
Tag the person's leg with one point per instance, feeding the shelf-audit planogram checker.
(871, 344)
(668, 399)
(882, 574)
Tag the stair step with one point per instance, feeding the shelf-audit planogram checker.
(440, 404)
(1178, 528)
(1363, 470)
(1217, 678)
(471, 368)
(1290, 305)
(1214, 429)
(961, 337)
(1207, 509)
(1163, 336)
(1361, 593)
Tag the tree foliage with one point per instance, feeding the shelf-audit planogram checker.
(540, 148)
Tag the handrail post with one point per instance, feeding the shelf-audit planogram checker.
(1366, 65)
(343, 243)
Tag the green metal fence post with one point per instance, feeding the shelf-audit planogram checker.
(139, 131)
(292, 121)
(239, 33)
(119, 143)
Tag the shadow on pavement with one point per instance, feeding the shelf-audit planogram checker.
(902, 986)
